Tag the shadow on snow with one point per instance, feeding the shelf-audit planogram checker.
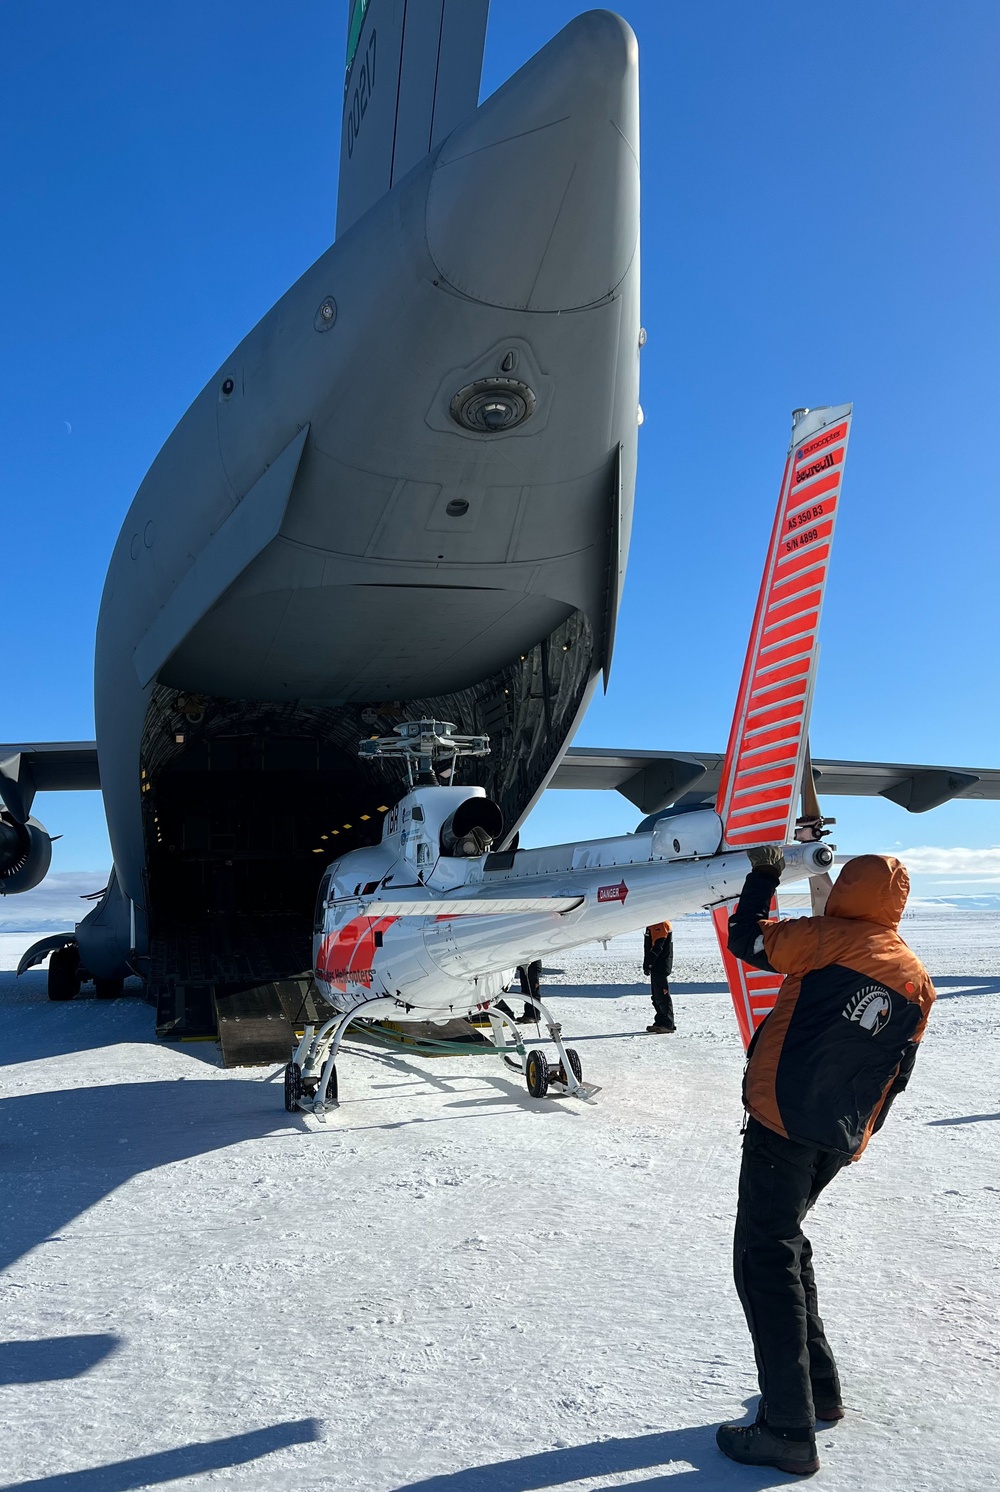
(184, 1461)
(52, 1358)
(61, 1152)
(709, 1470)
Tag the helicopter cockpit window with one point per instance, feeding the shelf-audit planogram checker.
(321, 896)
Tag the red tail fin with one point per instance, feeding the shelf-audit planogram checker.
(767, 742)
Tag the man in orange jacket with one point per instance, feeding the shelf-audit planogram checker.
(821, 1072)
(658, 963)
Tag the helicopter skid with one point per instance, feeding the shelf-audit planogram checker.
(311, 1084)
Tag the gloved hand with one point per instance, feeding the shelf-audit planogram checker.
(768, 858)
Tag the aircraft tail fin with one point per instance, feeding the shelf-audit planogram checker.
(768, 741)
(413, 73)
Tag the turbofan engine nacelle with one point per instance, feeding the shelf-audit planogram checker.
(25, 854)
(472, 828)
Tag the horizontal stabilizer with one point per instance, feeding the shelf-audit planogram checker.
(441, 906)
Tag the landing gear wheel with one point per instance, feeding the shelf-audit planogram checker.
(331, 1087)
(109, 989)
(64, 973)
(536, 1070)
(293, 1086)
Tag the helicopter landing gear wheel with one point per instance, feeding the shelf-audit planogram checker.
(574, 1061)
(536, 1071)
(293, 1086)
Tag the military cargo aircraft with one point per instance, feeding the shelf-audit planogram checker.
(406, 495)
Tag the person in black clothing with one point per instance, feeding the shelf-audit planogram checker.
(658, 963)
(530, 977)
(822, 1070)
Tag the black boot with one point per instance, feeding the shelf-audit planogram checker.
(826, 1399)
(759, 1445)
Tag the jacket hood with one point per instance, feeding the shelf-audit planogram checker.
(871, 888)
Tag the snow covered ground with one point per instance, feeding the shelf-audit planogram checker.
(451, 1287)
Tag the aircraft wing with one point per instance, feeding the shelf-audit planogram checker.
(51, 766)
(653, 780)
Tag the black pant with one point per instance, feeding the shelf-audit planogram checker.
(772, 1265)
(662, 1002)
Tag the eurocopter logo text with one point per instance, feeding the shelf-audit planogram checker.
(612, 893)
(812, 446)
(817, 466)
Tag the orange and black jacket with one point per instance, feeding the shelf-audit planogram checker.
(842, 1038)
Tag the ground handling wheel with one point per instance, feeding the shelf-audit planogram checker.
(536, 1071)
(575, 1064)
(293, 1086)
(64, 973)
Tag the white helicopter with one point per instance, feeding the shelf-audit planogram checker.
(429, 924)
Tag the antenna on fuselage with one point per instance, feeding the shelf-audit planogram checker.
(429, 750)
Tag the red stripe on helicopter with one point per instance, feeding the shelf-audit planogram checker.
(348, 956)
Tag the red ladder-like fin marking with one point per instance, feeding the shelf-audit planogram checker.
(762, 771)
(754, 991)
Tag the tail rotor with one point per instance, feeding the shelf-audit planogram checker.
(767, 765)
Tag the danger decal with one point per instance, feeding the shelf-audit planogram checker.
(612, 893)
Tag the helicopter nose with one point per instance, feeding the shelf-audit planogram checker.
(534, 202)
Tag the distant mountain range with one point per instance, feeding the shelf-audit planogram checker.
(57, 905)
(987, 903)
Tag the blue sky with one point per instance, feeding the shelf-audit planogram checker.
(820, 223)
